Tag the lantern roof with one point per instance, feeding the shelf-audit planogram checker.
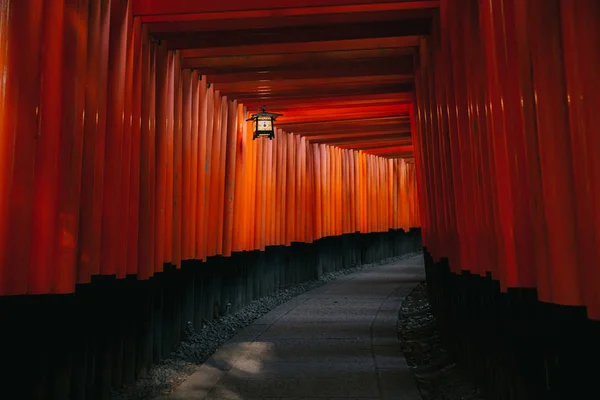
(263, 113)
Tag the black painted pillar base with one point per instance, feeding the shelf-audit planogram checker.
(512, 345)
(109, 332)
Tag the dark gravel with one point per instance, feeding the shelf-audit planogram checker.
(436, 373)
(197, 347)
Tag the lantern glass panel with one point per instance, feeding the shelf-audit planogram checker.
(264, 124)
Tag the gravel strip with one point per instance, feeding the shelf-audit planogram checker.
(436, 373)
(197, 347)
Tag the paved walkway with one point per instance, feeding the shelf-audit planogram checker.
(337, 341)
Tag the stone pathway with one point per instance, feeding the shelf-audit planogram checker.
(337, 342)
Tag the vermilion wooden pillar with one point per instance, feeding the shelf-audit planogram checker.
(47, 147)
(580, 45)
(554, 143)
(20, 113)
(135, 55)
(139, 163)
(503, 138)
(147, 160)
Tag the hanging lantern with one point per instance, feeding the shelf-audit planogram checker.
(264, 123)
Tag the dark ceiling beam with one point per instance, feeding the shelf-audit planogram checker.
(308, 71)
(250, 61)
(355, 45)
(386, 66)
(313, 33)
(194, 10)
(227, 23)
(370, 69)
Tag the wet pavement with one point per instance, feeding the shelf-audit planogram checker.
(338, 341)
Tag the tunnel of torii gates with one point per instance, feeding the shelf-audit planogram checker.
(133, 198)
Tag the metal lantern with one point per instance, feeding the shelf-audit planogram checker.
(264, 123)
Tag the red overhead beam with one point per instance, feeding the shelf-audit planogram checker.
(318, 136)
(354, 123)
(320, 122)
(375, 150)
(354, 111)
(371, 142)
(392, 150)
(407, 157)
(341, 131)
(309, 84)
(331, 119)
(342, 127)
(358, 144)
(284, 105)
(363, 149)
(349, 122)
(344, 113)
(375, 140)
